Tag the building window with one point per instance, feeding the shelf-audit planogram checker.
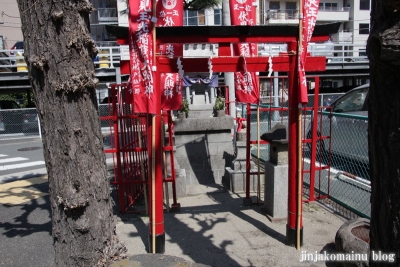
(194, 18)
(291, 5)
(364, 4)
(274, 5)
(217, 17)
(291, 10)
(202, 17)
(328, 6)
(362, 53)
(363, 28)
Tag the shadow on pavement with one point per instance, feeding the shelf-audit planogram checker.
(25, 231)
(201, 231)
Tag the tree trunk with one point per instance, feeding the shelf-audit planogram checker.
(383, 50)
(59, 52)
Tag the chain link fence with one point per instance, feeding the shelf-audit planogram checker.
(25, 123)
(345, 149)
(19, 123)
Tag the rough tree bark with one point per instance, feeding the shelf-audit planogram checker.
(59, 52)
(383, 50)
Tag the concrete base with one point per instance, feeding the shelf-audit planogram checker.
(247, 202)
(276, 190)
(159, 243)
(175, 207)
(291, 237)
(235, 180)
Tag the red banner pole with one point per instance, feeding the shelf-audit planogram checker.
(299, 137)
(291, 233)
(157, 234)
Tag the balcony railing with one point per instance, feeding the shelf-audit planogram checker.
(107, 15)
(334, 9)
(342, 37)
(292, 16)
(110, 56)
(282, 14)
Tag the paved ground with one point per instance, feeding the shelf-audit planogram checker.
(25, 224)
(213, 228)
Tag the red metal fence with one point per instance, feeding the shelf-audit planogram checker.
(129, 150)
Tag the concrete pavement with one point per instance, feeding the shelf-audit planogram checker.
(215, 229)
(212, 228)
(25, 223)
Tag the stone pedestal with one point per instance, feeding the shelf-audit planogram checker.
(204, 149)
(276, 174)
(276, 191)
(235, 175)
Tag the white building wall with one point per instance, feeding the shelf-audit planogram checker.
(122, 19)
(10, 28)
(359, 17)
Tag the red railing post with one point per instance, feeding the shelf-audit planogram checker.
(247, 200)
(314, 139)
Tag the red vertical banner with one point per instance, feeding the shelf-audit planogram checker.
(310, 13)
(171, 87)
(242, 12)
(169, 14)
(141, 56)
(246, 83)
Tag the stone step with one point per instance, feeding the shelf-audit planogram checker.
(202, 99)
(201, 110)
(200, 113)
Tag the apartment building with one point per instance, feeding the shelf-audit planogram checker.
(354, 15)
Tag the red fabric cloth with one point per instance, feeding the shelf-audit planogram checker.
(171, 88)
(240, 123)
(141, 56)
(242, 12)
(246, 83)
(310, 12)
(170, 14)
(247, 88)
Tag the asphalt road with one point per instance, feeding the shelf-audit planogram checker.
(25, 221)
(21, 159)
(25, 228)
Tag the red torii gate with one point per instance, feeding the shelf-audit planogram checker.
(224, 36)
